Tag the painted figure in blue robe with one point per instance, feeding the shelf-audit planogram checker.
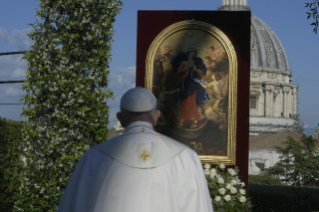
(191, 94)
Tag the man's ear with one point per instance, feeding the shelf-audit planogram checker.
(156, 116)
(120, 118)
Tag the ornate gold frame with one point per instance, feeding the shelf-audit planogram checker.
(230, 159)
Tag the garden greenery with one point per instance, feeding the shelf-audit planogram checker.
(10, 162)
(264, 179)
(298, 163)
(227, 190)
(66, 94)
(313, 8)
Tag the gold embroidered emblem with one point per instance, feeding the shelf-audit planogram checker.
(144, 155)
(143, 129)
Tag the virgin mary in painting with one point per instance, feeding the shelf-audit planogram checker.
(191, 94)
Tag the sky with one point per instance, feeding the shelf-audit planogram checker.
(287, 18)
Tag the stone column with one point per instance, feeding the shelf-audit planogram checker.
(283, 102)
(271, 102)
(289, 102)
(292, 102)
(266, 101)
(275, 102)
(294, 106)
(285, 99)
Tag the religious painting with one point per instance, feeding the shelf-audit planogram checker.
(192, 71)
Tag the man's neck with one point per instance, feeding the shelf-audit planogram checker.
(139, 124)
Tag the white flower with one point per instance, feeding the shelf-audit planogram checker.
(220, 180)
(242, 191)
(222, 191)
(233, 190)
(213, 171)
(227, 198)
(242, 184)
(206, 172)
(233, 182)
(242, 199)
(228, 186)
(231, 171)
(207, 166)
(42, 190)
(212, 175)
(222, 166)
(217, 198)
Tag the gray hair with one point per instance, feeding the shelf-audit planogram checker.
(130, 117)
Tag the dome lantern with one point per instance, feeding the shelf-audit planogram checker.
(234, 5)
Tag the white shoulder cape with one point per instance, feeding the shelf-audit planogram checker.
(127, 152)
(110, 179)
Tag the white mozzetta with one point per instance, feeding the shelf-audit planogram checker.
(100, 183)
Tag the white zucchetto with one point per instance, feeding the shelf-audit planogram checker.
(138, 100)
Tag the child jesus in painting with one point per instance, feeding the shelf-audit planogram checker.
(216, 89)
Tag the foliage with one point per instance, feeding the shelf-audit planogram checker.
(283, 198)
(227, 190)
(313, 8)
(317, 133)
(264, 179)
(298, 163)
(10, 161)
(65, 101)
(298, 125)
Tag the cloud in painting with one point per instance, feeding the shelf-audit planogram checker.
(17, 38)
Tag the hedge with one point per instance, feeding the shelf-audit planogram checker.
(283, 198)
(263, 179)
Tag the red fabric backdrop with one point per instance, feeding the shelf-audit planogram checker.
(236, 25)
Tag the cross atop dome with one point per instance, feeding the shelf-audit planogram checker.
(234, 5)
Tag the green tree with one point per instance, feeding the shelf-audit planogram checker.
(313, 12)
(298, 163)
(66, 94)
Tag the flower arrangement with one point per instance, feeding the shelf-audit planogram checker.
(227, 190)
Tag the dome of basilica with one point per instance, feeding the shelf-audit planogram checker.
(267, 52)
(273, 98)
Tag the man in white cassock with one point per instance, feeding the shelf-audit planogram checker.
(138, 171)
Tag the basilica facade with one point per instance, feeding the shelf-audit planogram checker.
(273, 97)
